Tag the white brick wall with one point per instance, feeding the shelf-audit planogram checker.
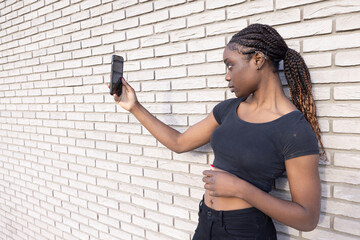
(73, 165)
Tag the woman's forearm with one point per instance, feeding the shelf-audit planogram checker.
(162, 132)
(287, 212)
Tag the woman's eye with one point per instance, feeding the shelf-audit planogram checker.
(229, 66)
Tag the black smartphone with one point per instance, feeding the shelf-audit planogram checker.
(117, 63)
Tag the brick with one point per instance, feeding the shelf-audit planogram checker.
(113, 17)
(147, 224)
(126, 24)
(345, 23)
(346, 126)
(155, 63)
(206, 17)
(79, 16)
(124, 3)
(347, 225)
(317, 60)
(187, 34)
(208, 69)
(337, 75)
(348, 193)
(187, 9)
(332, 42)
(176, 233)
(189, 108)
(321, 93)
(250, 8)
(157, 152)
(92, 22)
(173, 72)
(187, 59)
(144, 182)
(330, 8)
(230, 26)
(140, 76)
(278, 17)
(131, 228)
(139, 9)
(142, 161)
(338, 109)
(170, 49)
(127, 45)
(143, 140)
(127, 149)
(292, 3)
(324, 125)
(173, 211)
(188, 83)
(158, 217)
(324, 234)
(104, 29)
(349, 58)
(140, 54)
(155, 40)
(205, 96)
(339, 175)
(307, 29)
(345, 142)
(157, 174)
(212, 4)
(218, 82)
(347, 159)
(139, 32)
(155, 86)
(156, 236)
(206, 44)
(100, 10)
(170, 25)
(158, 196)
(171, 97)
(167, 3)
(188, 179)
(157, 16)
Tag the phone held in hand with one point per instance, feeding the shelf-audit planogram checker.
(117, 63)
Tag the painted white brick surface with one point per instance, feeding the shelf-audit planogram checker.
(74, 165)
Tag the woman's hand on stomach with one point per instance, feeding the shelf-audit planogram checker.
(221, 188)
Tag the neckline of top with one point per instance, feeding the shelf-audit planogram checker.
(253, 123)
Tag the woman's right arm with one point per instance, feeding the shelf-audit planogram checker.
(194, 137)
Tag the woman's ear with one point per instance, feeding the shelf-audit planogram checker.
(260, 59)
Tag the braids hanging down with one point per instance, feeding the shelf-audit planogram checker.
(260, 37)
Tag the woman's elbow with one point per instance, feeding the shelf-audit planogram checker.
(310, 224)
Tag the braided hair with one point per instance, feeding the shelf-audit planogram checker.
(261, 37)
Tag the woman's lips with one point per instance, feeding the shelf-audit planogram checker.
(231, 88)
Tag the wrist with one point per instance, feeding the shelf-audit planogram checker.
(135, 107)
(241, 189)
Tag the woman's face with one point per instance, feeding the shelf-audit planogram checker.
(241, 74)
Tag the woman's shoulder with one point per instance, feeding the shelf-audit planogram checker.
(230, 102)
(224, 107)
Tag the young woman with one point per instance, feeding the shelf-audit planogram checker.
(255, 137)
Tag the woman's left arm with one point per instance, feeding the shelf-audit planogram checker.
(301, 213)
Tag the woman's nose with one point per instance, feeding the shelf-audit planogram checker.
(227, 76)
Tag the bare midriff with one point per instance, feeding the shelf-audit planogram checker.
(224, 203)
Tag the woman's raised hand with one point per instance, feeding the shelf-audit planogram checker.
(127, 99)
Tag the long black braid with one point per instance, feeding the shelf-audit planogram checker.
(264, 38)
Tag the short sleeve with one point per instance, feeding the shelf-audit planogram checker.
(221, 109)
(301, 141)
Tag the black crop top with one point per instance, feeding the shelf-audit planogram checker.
(256, 152)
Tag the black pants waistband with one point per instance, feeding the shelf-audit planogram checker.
(228, 214)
